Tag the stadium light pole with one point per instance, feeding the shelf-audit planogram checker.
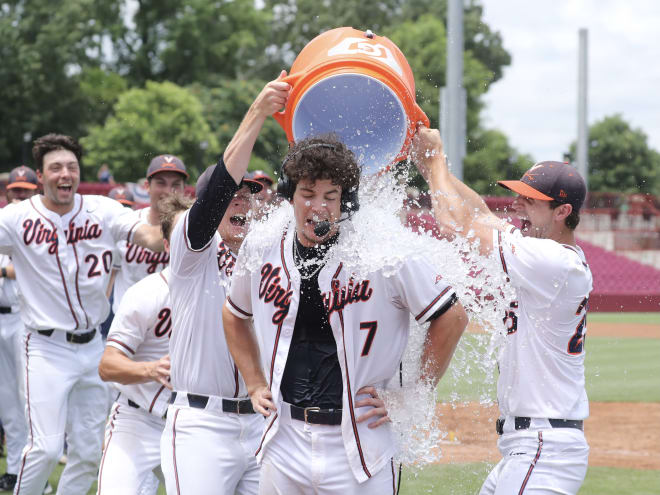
(453, 99)
(583, 128)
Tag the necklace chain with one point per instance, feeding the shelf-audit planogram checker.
(297, 256)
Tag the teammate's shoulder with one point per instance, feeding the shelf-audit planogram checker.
(147, 288)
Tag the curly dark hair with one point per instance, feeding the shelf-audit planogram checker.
(572, 220)
(51, 142)
(321, 158)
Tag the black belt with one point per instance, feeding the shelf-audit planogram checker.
(74, 338)
(523, 423)
(5, 310)
(316, 415)
(238, 406)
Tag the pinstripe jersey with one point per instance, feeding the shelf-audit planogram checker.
(542, 360)
(141, 330)
(63, 263)
(370, 321)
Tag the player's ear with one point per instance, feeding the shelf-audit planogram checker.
(166, 244)
(562, 211)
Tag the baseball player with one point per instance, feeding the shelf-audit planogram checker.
(166, 174)
(21, 185)
(327, 338)
(135, 358)
(212, 431)
(61, 246)
(540, 390)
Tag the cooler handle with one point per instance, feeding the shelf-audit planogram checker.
(292, 79)
(420, 117)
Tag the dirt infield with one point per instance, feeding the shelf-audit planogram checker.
(619, 434)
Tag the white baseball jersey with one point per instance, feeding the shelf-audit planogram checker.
(370, 323)
(141, 330)
(64, 262)
(135, 262)
(200, 359)
(542, 362)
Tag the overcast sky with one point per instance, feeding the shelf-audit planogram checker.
(535, 103)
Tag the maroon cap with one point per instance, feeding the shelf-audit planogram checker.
(22, 178)
(261, 176)
(203, 182)
(123, 195)
(166, 163)
(551, 181)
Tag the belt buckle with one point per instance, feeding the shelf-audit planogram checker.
(238, 406)
(308, 409)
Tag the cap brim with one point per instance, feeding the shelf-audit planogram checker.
(523, 189)
(169, 169)
(126, 202)
(255, 186)
(21, 185)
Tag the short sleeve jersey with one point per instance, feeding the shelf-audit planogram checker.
(141, 330)
(542, 360)
(369, 318)
(200, 359)
(135, 262)
(63, 262)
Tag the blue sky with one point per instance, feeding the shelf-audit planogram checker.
(535, 103)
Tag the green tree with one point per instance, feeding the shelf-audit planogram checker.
(193, 41)
(161, 118)
(491, 158)
(224, 107)
(620, 159)
(46, 48)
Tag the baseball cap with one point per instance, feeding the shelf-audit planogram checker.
(551, 181)
(203, 182)
(260, 176)
(122, 194)
(166, 163)
(22, 177)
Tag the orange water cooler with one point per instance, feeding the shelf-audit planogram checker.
(360, 87)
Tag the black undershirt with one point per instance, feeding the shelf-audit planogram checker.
(312, 376)
(210, 206)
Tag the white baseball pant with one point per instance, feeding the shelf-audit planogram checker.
(539, 462)
(12, 405)
(64, 393)
(210, 452)
(131, 450)
(307, 459)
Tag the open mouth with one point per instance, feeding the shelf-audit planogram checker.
(65, 188)
(525, 225)
(237, 220)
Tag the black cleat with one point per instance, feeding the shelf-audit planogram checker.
(7, 482)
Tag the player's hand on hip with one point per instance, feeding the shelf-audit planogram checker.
(427, 150)
(160, 371)
(262, 400)
(378, 409)
(273, 97)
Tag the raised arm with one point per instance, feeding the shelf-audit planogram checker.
(457, 208)
(245, 351)
(212, 202)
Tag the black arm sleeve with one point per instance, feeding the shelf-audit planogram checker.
(210, 206)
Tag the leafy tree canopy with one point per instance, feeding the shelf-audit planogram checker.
(620, 159)
(161, 118)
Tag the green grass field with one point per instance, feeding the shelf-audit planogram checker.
(618, 370)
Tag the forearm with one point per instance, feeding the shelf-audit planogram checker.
(238, 152)
(117, 367)
(244, 349)
(441, 341)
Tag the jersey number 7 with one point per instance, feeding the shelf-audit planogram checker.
(371, 326)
